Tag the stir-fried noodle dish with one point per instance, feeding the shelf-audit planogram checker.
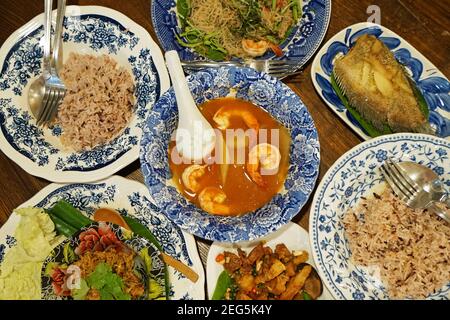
(222, 29)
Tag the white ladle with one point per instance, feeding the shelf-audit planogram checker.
(195, 137)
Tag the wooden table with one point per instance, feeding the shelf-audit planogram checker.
(423, 23)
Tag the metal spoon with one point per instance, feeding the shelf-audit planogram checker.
(37, 88)
(431, 188)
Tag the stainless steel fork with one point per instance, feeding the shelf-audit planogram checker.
(407, 189)
(275, 68)
(54, 87)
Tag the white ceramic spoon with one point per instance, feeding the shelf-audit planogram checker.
(195, 137)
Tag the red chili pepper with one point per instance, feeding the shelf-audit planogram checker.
(220, 257)
(276, 49)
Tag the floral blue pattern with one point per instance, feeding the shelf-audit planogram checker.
(130, 198)
(268, 93)
(300, 45)
(358, 170)
(10, 241)
(433, 85)
(135, 243)
(2, 252)
(26, 138)
(96, 33)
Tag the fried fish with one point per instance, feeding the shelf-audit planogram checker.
(379, 88)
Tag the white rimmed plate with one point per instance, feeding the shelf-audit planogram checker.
(129, 198)
(352, 176)
(87, 30)
(292, 235)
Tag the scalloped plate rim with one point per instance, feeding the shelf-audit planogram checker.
(10, 225)
(124, 160)
(338, 165)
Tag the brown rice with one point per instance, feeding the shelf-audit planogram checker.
(410, 247)
(99, 100)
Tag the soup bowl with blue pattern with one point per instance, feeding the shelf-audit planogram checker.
(269, 94)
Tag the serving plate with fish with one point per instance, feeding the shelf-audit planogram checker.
(377, 83)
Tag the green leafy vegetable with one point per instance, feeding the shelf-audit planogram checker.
(370, 129)
(205, 43)
(80, 293)
(420, 99)
(223, 283)
(143, 231)
(68, 253)
(109, 284)
(49, 268)
(155, 291)
(183, 10)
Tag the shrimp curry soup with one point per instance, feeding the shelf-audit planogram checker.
(252, 167)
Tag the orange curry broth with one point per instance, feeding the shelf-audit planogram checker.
(243, 195)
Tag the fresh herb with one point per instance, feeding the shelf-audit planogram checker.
(82, 291)
(68, 253)
(183, 10)
(109, 284)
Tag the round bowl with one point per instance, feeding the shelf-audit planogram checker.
(283, 105)
(301, 44)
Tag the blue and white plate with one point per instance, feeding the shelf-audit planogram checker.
(87, 30)
(352, 176)
(434, 86)
(130, 198)
(133, 242)
(292, 235)
(300, 45)
(271, 95)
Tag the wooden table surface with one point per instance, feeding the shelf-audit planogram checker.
(425, 24)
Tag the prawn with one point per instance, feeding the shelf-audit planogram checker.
(191, 175)
(254, 48)
(223, 115)
(212, 200)
(267, 157)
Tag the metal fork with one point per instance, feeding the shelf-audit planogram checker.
(275, 68)
(54, 87)
(406, 188)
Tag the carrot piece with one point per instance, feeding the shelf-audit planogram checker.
(220, 257)
(276, 49)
